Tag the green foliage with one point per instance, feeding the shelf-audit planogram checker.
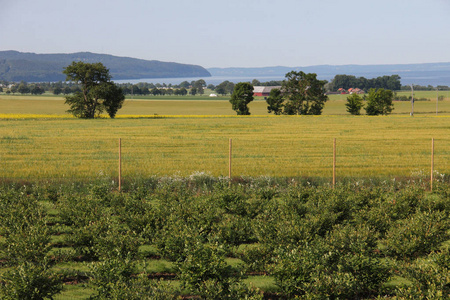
(111, 274)
(417, 235)
(23, 225)
(114, 278)
(304, 93)
(103, 239)
(241, 97)
(341, 265)
(225, 87)
(349, 81)
(173, 238)
(316, 242)
(213, 289)
(97, 233)
(205, 272)
(204, 261)
(98, 92)
(354, 104)
(139, 216)
(429, 279)
(29, 281)
(30, 244)
(379, 102)
(275, 102)
(257, 259)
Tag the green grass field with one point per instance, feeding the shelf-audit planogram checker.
(204, 105)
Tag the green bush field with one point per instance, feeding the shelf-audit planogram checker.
(198, 237)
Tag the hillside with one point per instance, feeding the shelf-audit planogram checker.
(422, 74)
(32, 67)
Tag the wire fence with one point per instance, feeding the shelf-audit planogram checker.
(70, 159)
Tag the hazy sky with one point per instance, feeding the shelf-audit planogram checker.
(234, 33)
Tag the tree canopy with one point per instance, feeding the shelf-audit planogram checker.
(346, 82)
(354, 104)
(241, 97)
(98, 93)
(225, 87)
(379, 102)
(275, 102)
(300, 94)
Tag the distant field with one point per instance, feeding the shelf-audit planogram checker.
(203, 105)
(274, 146)
(49, 147)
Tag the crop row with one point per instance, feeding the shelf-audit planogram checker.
(352, 242)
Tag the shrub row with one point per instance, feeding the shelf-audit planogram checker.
(316, 242)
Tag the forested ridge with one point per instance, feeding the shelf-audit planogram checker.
(32, 67)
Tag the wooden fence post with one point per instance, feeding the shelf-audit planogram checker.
(229, 162)
(120, 164)
(432, 164)
(334, 162)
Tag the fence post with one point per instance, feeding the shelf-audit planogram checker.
(229, 163)
(432, 164)
(334, 162)
(120, 164)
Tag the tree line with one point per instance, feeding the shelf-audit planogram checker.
(349, 81)
(93, 92)
(197, 87)
(304, 94)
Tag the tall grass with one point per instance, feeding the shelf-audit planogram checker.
(394, 146)
(202, 105)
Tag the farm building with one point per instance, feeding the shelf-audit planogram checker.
(350, 91)
(263, 90)
(355, 91)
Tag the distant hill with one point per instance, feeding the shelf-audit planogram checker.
(32, 67)
(421, 74)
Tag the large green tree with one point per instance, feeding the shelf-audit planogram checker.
(241, 97)
(199, 86)
(98, 93)
(379, 102)
(303, 94)
(354, 104)
(225, 87)
(275, 102)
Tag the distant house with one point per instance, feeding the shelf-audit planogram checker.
(263, 91)
(350, 91)
(355, 91)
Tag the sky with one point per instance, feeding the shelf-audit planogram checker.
(234, 33)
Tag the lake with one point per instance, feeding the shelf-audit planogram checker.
(407, 78)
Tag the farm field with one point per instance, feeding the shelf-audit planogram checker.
(279, 146)
(198, 238)
(39, 141)
(203, 105)
(178, 230)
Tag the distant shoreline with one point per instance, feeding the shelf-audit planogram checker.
(416, 78)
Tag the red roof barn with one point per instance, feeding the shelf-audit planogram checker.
(263, 91)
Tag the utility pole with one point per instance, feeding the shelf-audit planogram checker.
(412, 101)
